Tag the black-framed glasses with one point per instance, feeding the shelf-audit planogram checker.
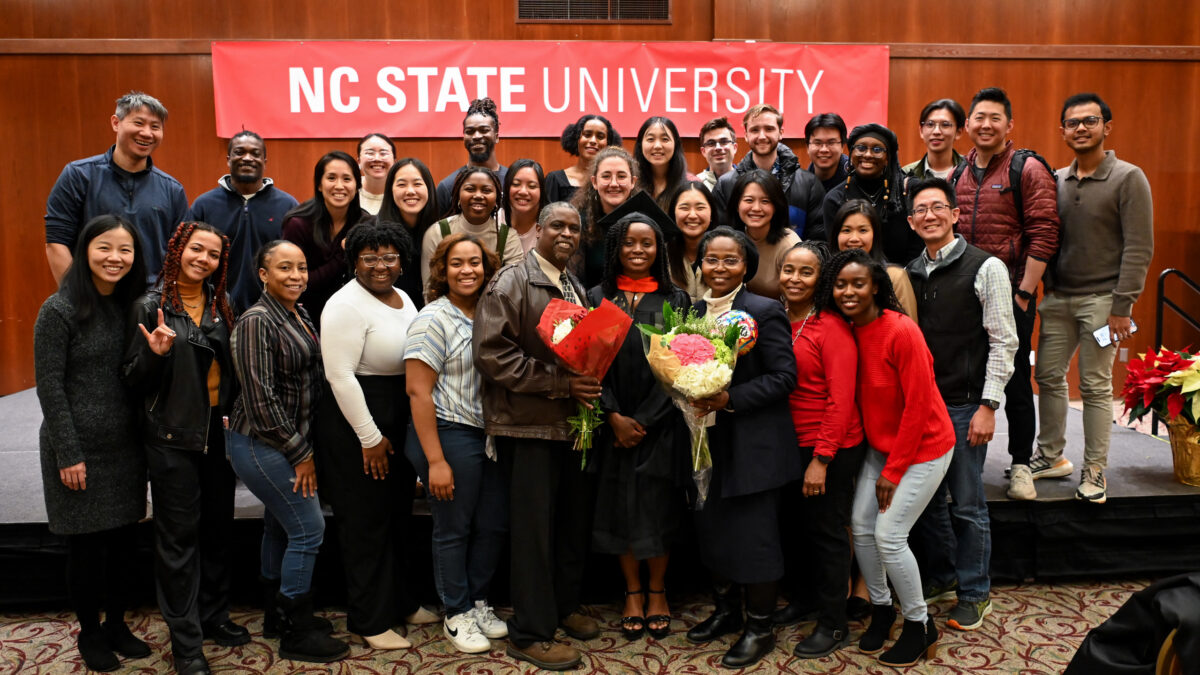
(388, 259)
(1089, 122)
(938, 209)
(717, 142)
(864, 149)
(713, 261)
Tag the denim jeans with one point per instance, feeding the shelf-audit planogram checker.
(469, 531)
(881, 539)
(293, 526)
(956, 539)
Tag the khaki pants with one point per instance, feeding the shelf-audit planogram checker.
(1067, 325)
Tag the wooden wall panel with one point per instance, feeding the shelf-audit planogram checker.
(58, 105)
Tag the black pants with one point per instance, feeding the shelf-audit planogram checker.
(816, 543)
(100, 573)
(372, 515)
(1018, 394)
(193, 519)
(550, 515)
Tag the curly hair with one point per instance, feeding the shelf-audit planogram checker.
(376, 234)
(483, 106)
(455, 206)
(170, 270)
(439, 284)
(820, 251)
(587, 200)
(885, 294)
(570, 135)
(613, 240)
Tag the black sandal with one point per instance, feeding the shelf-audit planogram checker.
(632, 627)
(658, 633)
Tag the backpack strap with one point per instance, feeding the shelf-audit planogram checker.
(444, 225)
(1015, 168)
(501, 240)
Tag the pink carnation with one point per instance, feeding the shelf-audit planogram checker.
(692, 349)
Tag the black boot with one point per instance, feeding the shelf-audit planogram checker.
(883, 617)
(916, 640)
(122, 641)
(823, 641)
(726, 617)
(97, 655)
(793, 613)
(753, 645)
(270, 625)
(302, 638)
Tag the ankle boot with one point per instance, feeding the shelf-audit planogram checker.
(726, 617)
(302, 637)
(753, 645)
(270, 624)
(883, 617)
(916, 640)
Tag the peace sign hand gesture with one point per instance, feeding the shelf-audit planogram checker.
(162, 338)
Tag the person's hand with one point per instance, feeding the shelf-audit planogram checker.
(375, 459)
(629, 433)
(718, 401)
(74, 476)
(162, 338)
(441, 480)
(814, 478)
(983, 426)
(1119, 327)
(884, 490)
(585, 389)
(306, 478)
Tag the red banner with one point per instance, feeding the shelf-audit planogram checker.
(422, 89)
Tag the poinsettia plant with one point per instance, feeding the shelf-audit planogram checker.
(1166, 382)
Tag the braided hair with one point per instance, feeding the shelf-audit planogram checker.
(820, 251)
(219, 302)
(483, 106)
(885, 294)
(613, 240)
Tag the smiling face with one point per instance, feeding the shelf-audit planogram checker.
(723, 266)
(1081, 139)
(798, 276)
(718, 147)
(613, 182)
(854, 294)
(856, 232)
(763, 133)
(525, 193)
(378, 268)
(477, 197)
(692, 215)
(464, 271)
(756, 210)
(138, 134)
(109, 257)
(939, 131)
(592, 139)
(558, 239)
(247, 158)
(338, 185)
(932, 218)
(824, 148)
(868, 157)
(410, 192)
(375, 158)
(200, 257)
(639, 248)
(286, 273)
(989, 126)
(480, 136)
(658, 147)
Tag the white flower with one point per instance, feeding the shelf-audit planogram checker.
(561, 330)
(703, 380)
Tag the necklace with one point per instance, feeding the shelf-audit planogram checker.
(186, 304)
(802, 325)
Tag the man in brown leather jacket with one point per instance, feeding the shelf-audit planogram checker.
(527, 397)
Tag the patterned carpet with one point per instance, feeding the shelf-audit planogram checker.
(1033, 629)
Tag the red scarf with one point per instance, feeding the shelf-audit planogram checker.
(643, 285)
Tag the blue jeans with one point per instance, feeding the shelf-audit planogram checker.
(293, 526)
(956, 541)
(881, 539)
(471, 530)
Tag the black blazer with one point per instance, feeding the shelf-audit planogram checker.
(754, 447)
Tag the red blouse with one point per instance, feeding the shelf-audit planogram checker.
(824, 411)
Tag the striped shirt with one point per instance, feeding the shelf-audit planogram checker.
(278, 363)
(440, 337)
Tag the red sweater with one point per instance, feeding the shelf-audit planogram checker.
(824, 411)
(903, 413)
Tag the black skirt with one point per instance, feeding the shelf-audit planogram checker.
(738, 537)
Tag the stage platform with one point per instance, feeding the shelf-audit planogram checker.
(1150, 525)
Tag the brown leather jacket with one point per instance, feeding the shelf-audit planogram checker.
(526, 394)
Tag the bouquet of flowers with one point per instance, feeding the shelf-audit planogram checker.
(694, 357)
(586, 341)
(1166, 382)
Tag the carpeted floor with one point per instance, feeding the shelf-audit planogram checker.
(1033, 629)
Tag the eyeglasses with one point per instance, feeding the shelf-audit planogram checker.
(877, 150)
(717, 142)
(825, 144)
(712, 261)
(372, 154)
(938, 209)
(388, 259)
(935, 124)
(1089, 122)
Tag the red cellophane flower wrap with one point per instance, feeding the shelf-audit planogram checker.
(586, 341)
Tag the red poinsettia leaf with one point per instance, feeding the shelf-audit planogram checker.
(1148, 398)
(1151, 358)
(1174, 404)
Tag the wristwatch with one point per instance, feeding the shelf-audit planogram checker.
(1023, 294)
(994, 405)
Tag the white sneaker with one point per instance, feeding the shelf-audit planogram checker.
(1020, 483)
(462, 632)
(1092, 486)
(489, 624)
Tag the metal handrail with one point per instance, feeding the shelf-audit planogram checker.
(1158, 318)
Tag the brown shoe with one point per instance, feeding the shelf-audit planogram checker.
(546, 655)
(580, 626)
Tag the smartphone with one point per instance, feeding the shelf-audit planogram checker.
(1102, 333)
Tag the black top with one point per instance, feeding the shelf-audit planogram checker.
(558, 187)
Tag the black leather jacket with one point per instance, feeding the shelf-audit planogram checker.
(175, 409)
